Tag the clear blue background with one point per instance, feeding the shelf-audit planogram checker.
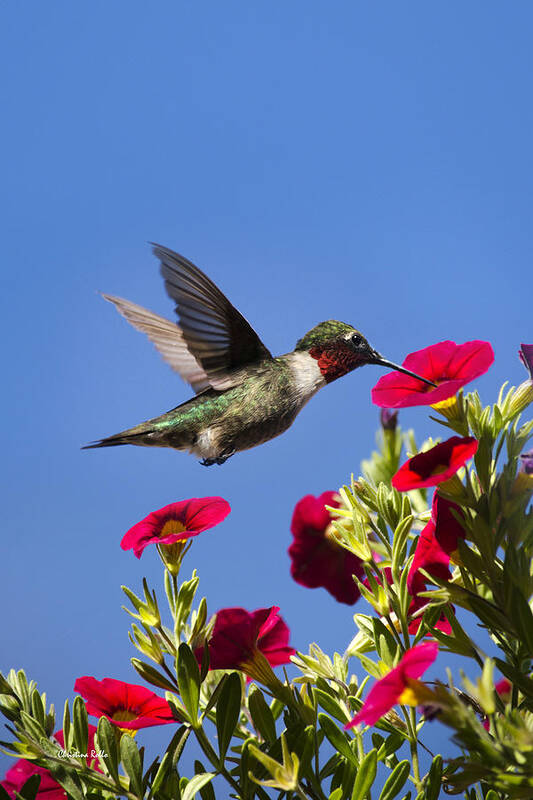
(369, 162)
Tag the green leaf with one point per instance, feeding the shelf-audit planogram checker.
(195, 784)
(184, 601)
(337, 738)
(336, 794)
(434, 780)
(522, 618)
(386, 748)
(189, 681)
(177, 743)
(331, 705)
(107, 741)
(131, 760)
(164, 768)
(262, 716)
(206, 792)
(37, 708)
(399, 542)
(365, 775)
(32, 727)
(80, 725)
(396, 780)
(68, 780)
(30, 789)
(386, 646)
(5, 686)
(66, 727)
(228, 711)
(152, 675)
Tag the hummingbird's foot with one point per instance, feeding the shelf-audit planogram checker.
(208, 462)
(224, 457)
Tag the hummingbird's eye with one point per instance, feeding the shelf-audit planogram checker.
(356, 339)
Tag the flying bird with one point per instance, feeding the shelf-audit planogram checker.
(244, 395)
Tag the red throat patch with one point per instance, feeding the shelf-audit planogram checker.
(334, 363)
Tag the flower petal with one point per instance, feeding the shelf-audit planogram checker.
(435, 465)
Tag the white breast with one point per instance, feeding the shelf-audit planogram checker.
(306, 373)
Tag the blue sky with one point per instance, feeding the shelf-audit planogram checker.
(365, 162)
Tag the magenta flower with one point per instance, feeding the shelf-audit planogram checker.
(447, 364)
(526, 357)
(429, 556)
(504, 688)
(252, 642)
(448, 529)
(127, 705)
(317, 559)
(49, 789)
(176, 522)
(400, 685)
(527, 462)
(435, 465)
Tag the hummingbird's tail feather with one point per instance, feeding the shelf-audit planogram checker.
(116, 439)
(144, 434)
(163, 431)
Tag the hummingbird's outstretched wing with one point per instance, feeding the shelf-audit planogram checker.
(217, 335)
(168, 339)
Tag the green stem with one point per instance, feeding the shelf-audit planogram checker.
(300, 792)
(410, 719)
(393, 630)
(168, 641)
(170, 676)
(204, 743)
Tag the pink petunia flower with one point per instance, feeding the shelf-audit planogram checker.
(176, 522)
(400, 685)
(317, 559)
(447, 364)
(252, 642)
(526, 357)
(435, 465)
(126, 705)
(429, 556)
(448, 529)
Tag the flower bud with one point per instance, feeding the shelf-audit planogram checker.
(388, 419)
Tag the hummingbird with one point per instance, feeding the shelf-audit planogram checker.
(244, 395)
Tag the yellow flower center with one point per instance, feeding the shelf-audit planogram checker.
(448, 403)
(415, 693)
(408, 697)
(455, 558)
(172, 526)
(124, 715)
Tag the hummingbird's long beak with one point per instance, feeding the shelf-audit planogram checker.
(378, 359)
